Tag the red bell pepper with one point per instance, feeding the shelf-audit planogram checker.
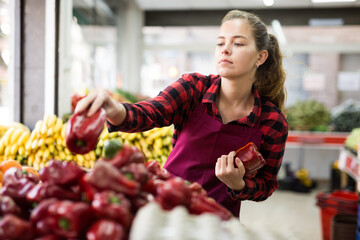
(71, 219)
(137, 172)
(61, 173)
(16, 185)
(15, 228)
(196, 188)
(40, 219)
(82, 132)
(111, 205)
(172, 193)
(45, 190)
(251, 158)
(202, 204)
(105, 176)
(139, 201)
(86, 189)
(8, 205)
(125, 155)
(158, 172)
(49, 237)
(151, 186)
(105, 229)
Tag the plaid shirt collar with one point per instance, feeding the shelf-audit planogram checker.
(210, 95)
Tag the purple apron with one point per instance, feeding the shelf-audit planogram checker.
(201, 142)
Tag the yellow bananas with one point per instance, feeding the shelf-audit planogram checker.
(155, 143)
(45, 142)
(14, 137)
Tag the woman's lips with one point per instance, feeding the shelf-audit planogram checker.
(225, 61)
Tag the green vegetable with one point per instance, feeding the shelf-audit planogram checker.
(111, 147)
(308, 116)
(353, 139)
(128, 95)
(346, 121)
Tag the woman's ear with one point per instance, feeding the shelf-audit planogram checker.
(262, 57)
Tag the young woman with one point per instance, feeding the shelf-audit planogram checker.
(215, 115)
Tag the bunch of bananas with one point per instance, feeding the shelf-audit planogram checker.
(12, 142)
(47, 141)
(155, 143)
(3, 130)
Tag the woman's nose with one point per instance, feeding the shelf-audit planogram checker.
(225, 50)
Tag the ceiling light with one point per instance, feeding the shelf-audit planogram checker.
(268, 2)
(331, 1)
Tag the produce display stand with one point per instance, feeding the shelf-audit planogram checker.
(339, 209)
(303, 140)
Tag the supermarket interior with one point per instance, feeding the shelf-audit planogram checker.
(64, 175)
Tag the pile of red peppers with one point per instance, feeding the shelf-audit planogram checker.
(66, 202)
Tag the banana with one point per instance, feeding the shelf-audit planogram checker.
(23, 138)
(2, 146)
(46, 154)
(43, 129)
(41, 142)
(49, 141)
(50, 132)
(21, 150)
(7, 152)
(15, 136)
(37, 127)
(13, 149)
(8, 134)
(113, 135)
(52, 148)
(63, 130)
(58, 125)
(34, 144)
(51, 121)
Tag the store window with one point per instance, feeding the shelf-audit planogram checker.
(93, 44)
(88, 49)
(5, 80)
(172, 51)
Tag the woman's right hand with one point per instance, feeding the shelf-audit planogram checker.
(115, 111)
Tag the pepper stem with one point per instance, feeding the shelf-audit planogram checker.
(80, 143)
(114, 199)
(64, 223)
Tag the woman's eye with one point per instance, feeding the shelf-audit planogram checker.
(238, 44)
(220, 44)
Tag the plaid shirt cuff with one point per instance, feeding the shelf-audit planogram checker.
(243, 194)
(125, 126)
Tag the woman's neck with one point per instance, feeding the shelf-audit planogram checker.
(234, 100)
(236, 93)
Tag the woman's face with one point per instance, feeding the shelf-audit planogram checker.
(236, 54)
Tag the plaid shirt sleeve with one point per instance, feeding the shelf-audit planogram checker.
(275, 130)
(169, 107)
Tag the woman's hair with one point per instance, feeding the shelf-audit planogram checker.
(270, 76)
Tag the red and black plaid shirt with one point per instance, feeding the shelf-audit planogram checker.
(176, 103)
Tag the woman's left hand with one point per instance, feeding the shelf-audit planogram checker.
(226, 171)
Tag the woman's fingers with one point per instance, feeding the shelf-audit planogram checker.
(92, 103)
(84, 103)
(97, 103)
(230, 161)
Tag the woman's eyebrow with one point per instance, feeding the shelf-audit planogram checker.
(236, 36)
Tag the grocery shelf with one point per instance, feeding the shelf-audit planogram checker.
(316, 140)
